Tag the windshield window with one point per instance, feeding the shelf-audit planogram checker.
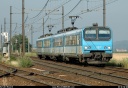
(97, 34)
(104, 33)
(90, 34)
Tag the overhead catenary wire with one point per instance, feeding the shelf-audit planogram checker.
(69, 11)
(41, 10)
(93, 9)
(51, 11)
(81, 13)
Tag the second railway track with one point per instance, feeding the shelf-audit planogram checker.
(39, 78)
(115, 79)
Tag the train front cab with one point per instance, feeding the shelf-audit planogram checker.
(97, 45)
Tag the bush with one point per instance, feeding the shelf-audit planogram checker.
(13, 58)
(30, 54)
(112, 62)
(1, 57)
(25, 62)
(124, 63)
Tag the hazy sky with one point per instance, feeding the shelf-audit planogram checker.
(116, 15)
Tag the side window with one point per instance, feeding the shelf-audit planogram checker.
(58, 42)
(39, 44)
(71, 40)
(46, 43)
(67, 40)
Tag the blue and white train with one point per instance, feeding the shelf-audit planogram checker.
(92, 45)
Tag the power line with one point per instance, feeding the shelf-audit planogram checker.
(41, 10)
(52, 11)
(93, 9)
(99, 6)
(73, 8)
(70, 10)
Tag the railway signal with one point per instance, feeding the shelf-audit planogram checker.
(6, 49)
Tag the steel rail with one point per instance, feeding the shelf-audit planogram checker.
(71, 71)
(118, 69)
(76, 83)
(3, 73)
(15, 72)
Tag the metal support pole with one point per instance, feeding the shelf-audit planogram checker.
(1, 37)
(32, 35)
(43, 25)
(104, 13)
(28, 44)
(23, 32)
(62, 17)
(10, 27)
(8, 51)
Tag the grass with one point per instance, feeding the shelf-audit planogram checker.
(118, 63)
(113, 62)
(30, 54)
(1, 57)
(118, 60)
(13, 58)
(124, 63)
(19, 61)
(25, 62)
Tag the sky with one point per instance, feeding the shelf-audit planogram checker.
(116, 16)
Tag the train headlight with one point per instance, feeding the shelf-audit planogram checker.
(109, 47)
(86, 47)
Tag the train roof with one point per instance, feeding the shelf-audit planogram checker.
(59, 32)
(69, 30)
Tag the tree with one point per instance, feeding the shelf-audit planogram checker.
(17, 43)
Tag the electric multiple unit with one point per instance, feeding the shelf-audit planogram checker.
(92, 45)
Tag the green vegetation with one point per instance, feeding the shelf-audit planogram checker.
(19, 61)
(122, 63)
(17, 41)
(25, 62)
(1, 57)
(13, 58)
(30, 54)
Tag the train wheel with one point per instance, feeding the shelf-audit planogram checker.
(54, 58)
(40, 56)
(85, 63)
(67, 60)
(64, 59)
(102, 65)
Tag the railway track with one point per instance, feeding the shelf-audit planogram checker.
(52, 81)
(6, 70)
(118, 80)
(39, 78)
(117, 69)
(3, 73)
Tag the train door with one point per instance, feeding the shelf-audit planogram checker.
(78, 44)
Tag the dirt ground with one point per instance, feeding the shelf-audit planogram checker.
(14, 81)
